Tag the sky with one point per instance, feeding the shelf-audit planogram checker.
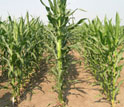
(93, 8)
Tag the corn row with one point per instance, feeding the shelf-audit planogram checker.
(103, 50)
(21, 50)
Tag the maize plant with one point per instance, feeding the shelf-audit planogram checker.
(59, 18)
(21, 48)
(103, 50)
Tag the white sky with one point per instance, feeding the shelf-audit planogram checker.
(94, 8)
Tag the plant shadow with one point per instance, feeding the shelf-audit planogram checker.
(37, 78)
(72, 79)
(5, 100)
(3, 75)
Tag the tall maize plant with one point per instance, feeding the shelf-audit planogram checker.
(59, 18)
(103, 53)
(21, 50)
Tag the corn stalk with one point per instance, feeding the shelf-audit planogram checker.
(59, 18)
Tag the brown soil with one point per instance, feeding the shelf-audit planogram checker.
(81, 93)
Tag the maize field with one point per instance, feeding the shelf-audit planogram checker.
(27, 45)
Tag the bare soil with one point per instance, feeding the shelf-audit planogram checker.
(81, 93)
